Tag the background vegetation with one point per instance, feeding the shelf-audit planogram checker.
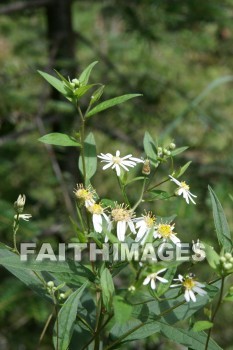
(178, 54)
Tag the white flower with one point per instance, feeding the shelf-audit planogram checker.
(183, 190)
(190, 286)
(116, 162)
(153, 277)
(145, 224)
(123, 217)
(165, 231)
(85, 195)
(98, 214)
(25, 217)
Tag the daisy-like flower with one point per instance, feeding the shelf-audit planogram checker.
(24, 217)
(165, 231)
(116, 162)
(190, 286)
(85, 195)
(153, 277)
(98, 214)
(124, 218)
(183, 189)
(145, 224)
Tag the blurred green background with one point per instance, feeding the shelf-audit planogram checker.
(178, 54)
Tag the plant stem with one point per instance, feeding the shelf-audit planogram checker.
(82, 137)
(160, 183)
(142, 194)
(123, 191)
(215, 311)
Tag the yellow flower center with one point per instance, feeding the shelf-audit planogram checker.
(184, 186)
(189, 283)
(116, 160)
(95, 209)
(149, 220)
(165, 230)
(121, 214)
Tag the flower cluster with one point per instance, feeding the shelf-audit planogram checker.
(190, 286)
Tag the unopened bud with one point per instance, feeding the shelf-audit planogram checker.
(227, 266)
(62, 296)
(167, 152)
(50, 284)
(131, 289)
(19, 204)
(76, 82)
(172, 146)
(223, 259)
(146, 167)
(228, 256)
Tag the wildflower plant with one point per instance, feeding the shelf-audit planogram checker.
(90, 310)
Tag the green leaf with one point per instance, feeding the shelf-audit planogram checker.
(66, 319)
(182, 170)
(122, 310)
(169, 275)
(110, 103)
(90, 157)
(202, 325)
(84, 77)
(220, 222)
(96, 95)
(211, 256)
(79, 92)
(56, 83)
(195, 341)
(150, 148)
(178, 151)
(107, 287)
(58, 139)
(157, 194)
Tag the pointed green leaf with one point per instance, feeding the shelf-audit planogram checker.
(122, 310)
(107, 287)
(110, 103)
(211, 256)
(194, 340)
(96, 95)
(202, 325)
(79, 92)
(63, 328)
(182, 170)
(220, 222)
(84, 77)
(150, 148)
(58, 139)
(169, 275)
(178, 151)
(56, 83)
(90, 157)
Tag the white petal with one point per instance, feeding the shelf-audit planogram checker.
(146, 280)
(118, 153)
(161, 279)
(118, 169)
(124, 167)
(138, 160)
(199, 290)
(121, 228)
(200, 284)
(176, 181)
(152, 284)
(192, 296)
(97, 222)
(126, 157)
(107, 165)
(186, 295)
(174, 239)
(160, 271)
(131, 226)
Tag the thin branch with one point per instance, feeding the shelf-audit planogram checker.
(23, 5)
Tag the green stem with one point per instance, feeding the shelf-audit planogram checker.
(142, 194)
(98, 320)
(15, 229)
(215, 311)
(82, 137)
(123, 191)
(113, 345)
(80, 217)
(160, 183)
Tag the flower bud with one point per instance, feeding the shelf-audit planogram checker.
(76, 82)
(172, 146)
(223, 259)
(227, 266)
(231, 290)
(19, 204)
(131, 289)
(160, 151)
(228, 256)
(62, 296)
(146, 167)
(50, 284)
(166, 152)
